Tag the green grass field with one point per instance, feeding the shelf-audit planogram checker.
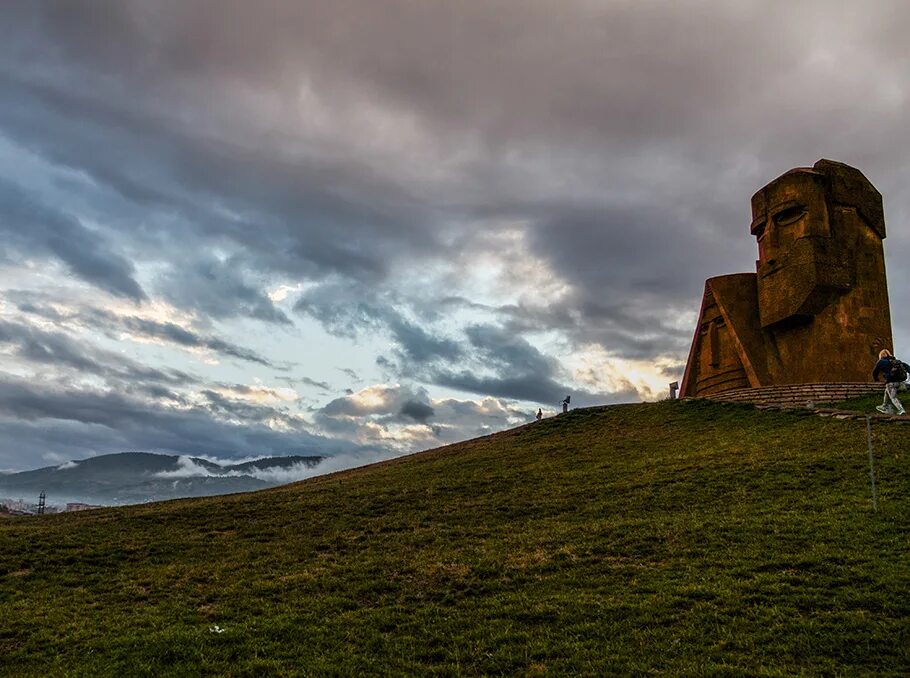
(670, 538)
(867, 404)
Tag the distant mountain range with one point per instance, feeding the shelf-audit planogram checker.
(137, 477)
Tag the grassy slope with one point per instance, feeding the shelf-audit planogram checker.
(866, 403)
(669, 537)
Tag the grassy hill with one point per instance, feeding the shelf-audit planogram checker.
(676, 538)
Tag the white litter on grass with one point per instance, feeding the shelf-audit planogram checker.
(214, 628)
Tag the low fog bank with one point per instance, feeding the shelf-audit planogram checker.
(136, 478)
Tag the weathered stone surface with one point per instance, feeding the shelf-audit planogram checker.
(798, 395)
(817, 309)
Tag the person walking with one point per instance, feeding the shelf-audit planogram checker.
(539, 414)
(894, 373)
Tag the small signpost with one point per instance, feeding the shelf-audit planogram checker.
(871, 462)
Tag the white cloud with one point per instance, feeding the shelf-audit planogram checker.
(598, 370)
(188, 467)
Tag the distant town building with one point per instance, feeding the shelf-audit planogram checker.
(19, 507)
(79, 506)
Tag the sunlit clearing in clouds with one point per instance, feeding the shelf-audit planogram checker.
(502, 269)
(598, 370)
(373, 397)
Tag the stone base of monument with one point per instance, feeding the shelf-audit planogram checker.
(799, 395)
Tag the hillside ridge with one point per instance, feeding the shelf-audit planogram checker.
(671, 537)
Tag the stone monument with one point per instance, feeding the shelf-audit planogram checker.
(817, 308)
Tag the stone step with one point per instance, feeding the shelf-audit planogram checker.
(798, 395)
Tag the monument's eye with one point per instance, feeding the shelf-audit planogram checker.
(789, 215)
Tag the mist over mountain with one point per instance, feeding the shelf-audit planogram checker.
(137, 477)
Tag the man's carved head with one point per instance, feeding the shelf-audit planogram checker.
(810, 224)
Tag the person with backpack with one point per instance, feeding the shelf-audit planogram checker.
(895, 373)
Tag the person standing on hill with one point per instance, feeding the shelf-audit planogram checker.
(895, 372)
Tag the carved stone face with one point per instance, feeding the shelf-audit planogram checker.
(801, 268)
(817, 307)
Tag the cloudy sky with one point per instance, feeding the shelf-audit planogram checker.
(364, 228)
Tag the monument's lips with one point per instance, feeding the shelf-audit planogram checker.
(816, 310)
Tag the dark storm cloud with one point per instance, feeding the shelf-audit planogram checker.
(450, 61)
(47, 347)
(180, 336)
(242, 410)
(324, 385)
(420, 412)
(306, 381)
(639, 121)
(114, 325)
(518, 369)
(489, 360)
(346, 310)
(390, 403)
(418, 345)
(506, 365)
(159, 393)
(502, 350)
(34, 228)
(301, 215)
(56, 349)
(503, 365)
(349, 372)
(531, 387)
(534, 388)
(218, 289)
(603, 248)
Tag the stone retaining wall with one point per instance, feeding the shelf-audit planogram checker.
(797, 395)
